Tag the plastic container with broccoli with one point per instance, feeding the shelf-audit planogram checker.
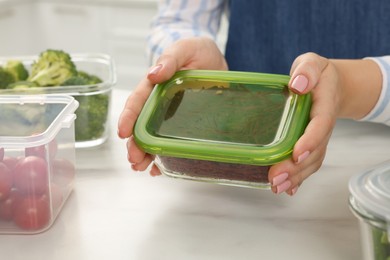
(37, 160)
(370, 202)
(89, 78)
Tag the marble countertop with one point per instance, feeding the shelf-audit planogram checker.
(115, 213)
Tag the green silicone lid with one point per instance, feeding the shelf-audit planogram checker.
(224, 116)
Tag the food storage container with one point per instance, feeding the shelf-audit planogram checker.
(370, 202)
(222, 127)
(92, 123)
(37, 160)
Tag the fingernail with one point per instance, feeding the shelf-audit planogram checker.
(294, 190)
(279, 179)
(154, 171)
(117, 132)
(300, 83)
(303, 156)
(155, 69)
(134, 167)
(283, 187)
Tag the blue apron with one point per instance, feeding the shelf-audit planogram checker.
(267, 35)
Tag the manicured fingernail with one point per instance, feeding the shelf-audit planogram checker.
(283, 187)
(300, 83)
(294, 190)
(303, 156)
(155, 69)
(279, 179)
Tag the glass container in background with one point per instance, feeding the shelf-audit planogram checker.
(370, 202)
(92, 122)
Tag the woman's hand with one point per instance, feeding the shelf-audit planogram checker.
(339, 88)
(191, 53)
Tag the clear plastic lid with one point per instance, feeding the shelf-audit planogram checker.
(32, 120)
(370, 193)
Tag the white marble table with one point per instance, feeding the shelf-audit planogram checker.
(115, 213)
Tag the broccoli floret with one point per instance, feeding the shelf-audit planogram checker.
(82, 78)
(75, 81)
(17, 69)
(92, 113)
(22, 85)
(91, 79)
(91, 117)
(6, 78)
(52, 68)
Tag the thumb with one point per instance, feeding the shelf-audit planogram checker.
(174, 58)
(306, 72)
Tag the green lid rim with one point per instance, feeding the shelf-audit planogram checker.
(298, 116)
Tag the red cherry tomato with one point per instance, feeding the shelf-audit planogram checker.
(5, 181)
(32, 213)
(40, 150)
(63, 172)
(7, 206)
(31, 176)
(11, 161)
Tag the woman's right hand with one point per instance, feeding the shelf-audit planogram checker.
(339, 89)
(190, 53)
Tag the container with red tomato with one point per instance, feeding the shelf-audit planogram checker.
(37, 157)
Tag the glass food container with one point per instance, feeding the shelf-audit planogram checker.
(37, 160)
(91, 126)
(222, 127)
(370, 202)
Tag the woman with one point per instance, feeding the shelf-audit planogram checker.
(269, 36)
